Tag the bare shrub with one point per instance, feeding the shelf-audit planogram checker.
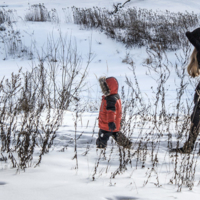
(64, 66)
(37, 13)
(53, 16)
(22, 125)
(32, 104)
(68, 15)
(138, 27)
(14, 47)
(7, 16)
(2, 17)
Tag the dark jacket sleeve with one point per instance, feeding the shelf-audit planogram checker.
(195, 117)
(196, 95)
(111, 107)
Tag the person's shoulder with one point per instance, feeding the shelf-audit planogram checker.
(113, 97)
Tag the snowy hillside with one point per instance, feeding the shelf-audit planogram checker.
(156, 92)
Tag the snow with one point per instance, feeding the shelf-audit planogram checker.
(57, 176)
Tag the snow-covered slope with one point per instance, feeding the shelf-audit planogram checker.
(57, 176)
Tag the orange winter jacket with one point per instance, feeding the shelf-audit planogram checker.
(111, 109)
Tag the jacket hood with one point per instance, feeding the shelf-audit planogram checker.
(109, 85)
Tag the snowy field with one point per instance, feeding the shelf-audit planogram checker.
(93, 174)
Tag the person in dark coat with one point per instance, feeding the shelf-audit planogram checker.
(110, 114)
(194, 71)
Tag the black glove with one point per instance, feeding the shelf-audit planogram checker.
(111, 126)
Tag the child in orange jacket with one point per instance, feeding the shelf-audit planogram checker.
(110, 114)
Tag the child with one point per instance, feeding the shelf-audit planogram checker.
(110, 115)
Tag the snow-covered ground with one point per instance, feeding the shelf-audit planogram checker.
(57, 176)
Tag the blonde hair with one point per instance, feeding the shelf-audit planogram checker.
(193, 68)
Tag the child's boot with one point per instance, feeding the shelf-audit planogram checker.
(122, 140)
(102, 140)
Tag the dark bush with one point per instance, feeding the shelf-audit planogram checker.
(6, 16)
(37, 13)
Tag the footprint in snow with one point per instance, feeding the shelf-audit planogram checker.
(2, 183)
(122, 198)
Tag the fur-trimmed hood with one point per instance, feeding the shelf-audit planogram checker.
(109, 85)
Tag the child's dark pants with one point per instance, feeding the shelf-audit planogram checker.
(120, 138)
